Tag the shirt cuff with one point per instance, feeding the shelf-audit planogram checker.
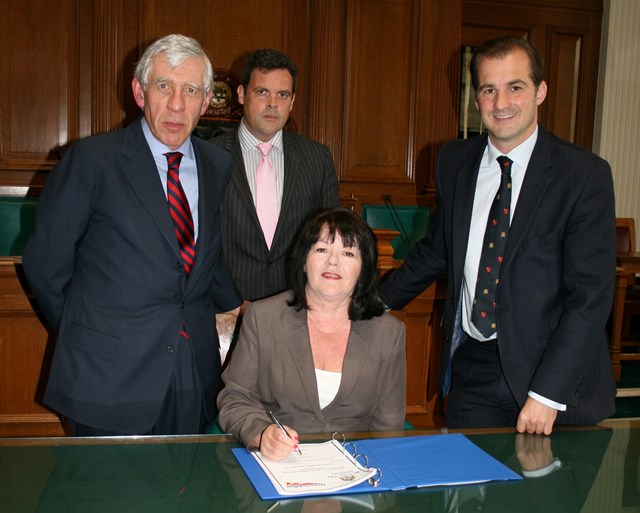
(548, 402)
(544, 471)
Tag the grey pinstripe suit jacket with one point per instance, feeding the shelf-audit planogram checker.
(310, 184)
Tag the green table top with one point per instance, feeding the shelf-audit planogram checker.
(595, 469)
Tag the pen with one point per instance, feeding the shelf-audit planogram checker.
(281, 427)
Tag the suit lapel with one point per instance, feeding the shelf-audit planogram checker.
(207, 182)
(239, 176)
(142, 173)
(464, 189)
(299, 346)
(291, 163)
(354, 359)
(292, 173)
(536, 181)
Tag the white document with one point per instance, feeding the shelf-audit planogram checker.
(322, 467)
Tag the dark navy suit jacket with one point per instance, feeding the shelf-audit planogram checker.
(556, 285)
(104, 264)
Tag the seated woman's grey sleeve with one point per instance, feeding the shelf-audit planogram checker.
(390, 410)
(240, 408)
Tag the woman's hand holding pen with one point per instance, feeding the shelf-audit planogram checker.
(276, 445)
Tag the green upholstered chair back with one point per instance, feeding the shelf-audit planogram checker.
(17, 222)
(412, 221)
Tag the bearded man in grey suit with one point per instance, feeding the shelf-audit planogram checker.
(134, 309)
(304, 172)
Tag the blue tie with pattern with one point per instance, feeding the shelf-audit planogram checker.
(483, 313)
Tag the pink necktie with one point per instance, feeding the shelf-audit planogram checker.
(266, 194)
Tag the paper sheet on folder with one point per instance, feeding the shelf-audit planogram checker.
(406, 462)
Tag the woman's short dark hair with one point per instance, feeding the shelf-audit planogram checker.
(499, 48)
(365, 301)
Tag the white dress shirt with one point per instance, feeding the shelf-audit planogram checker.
(486, 188)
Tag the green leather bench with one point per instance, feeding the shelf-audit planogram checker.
(412, 221)
(17, 222)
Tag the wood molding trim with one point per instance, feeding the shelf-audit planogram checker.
(325, 105)
(106, 104)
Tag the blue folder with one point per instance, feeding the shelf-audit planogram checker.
(406, 462)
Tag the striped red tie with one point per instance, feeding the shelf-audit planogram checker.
(180, 212)
(181, 215)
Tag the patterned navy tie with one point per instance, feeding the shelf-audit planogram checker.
(483, 313)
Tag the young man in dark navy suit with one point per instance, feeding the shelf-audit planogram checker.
(543, 359)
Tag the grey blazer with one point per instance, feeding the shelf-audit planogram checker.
(272, 368)
(310, 184)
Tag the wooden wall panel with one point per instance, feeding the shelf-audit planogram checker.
(325, 78)
(562, 98)
(224, 30)
(424, 354)
(572, 58)
(387, 61)
(24, 342)
(111, 63)
(38, 87)
(438, 89)
(379, 73)
(422, 319)
(400, 96)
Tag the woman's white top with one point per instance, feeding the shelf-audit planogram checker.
(328, 385)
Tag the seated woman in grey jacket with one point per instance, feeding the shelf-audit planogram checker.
(323, 356)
